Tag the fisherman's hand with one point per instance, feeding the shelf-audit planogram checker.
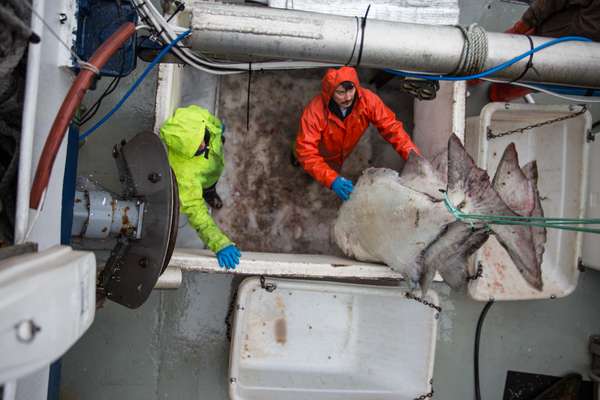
(342, 187)
(229, 257)
(521, 28)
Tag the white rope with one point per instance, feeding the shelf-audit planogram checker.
(474, 52)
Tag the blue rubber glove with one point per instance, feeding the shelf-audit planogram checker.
(229, 257)
(342, 187)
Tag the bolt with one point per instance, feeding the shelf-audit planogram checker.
(62, 18)
(154, 177)
(26, 331)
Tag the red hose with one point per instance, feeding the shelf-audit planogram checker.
(67, 110)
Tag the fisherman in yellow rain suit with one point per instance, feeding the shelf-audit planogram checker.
(194, 140)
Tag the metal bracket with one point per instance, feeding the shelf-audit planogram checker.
(420, 88)
(268, 286)
(65, 23)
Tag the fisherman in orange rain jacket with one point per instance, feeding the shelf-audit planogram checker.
(333, 123)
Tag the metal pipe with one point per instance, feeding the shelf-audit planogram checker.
(287, 34)
(97, 214)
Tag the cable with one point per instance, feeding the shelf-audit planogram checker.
(36, 216)
(576, 99)
(152, 16)
(91, 112)
(66, 112)
(492, 70)
(139, 80)
(569, 224)
(82, 64)
(355, 40)
(476, 352)
(248, 99)
(110, 88)
(529, 62)
(363, 25)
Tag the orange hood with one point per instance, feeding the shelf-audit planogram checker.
(334, 77)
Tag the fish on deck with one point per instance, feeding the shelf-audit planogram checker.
(402, 220)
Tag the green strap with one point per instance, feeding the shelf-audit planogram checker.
(569, 224)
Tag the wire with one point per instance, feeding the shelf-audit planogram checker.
(36, 216)
(89, 114)
(139, 80)
(82, 64)
(577, 99)
(363, 26)
(569, 224)
(492, 70)
(152, 16)
(484, 312)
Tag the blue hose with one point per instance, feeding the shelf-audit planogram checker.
(139, 80)
(569, 90)
(493, 69)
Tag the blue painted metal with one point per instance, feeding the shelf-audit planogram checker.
(69, 182)
(96, 21)
(54, 380)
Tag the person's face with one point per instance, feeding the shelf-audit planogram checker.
(343, 97)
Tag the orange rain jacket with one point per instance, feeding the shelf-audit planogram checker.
(324, 141)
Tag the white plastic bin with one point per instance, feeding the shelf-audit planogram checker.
(323, 340)
(561, 151)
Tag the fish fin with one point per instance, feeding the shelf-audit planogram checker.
(440, 163)
(517, 240)
(411, 273)
(470, 190)
(450, 252)
(419, 175)
(427, 274)
(530, 171)
(512, 185)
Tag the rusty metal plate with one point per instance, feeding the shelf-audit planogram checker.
(135, 265)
